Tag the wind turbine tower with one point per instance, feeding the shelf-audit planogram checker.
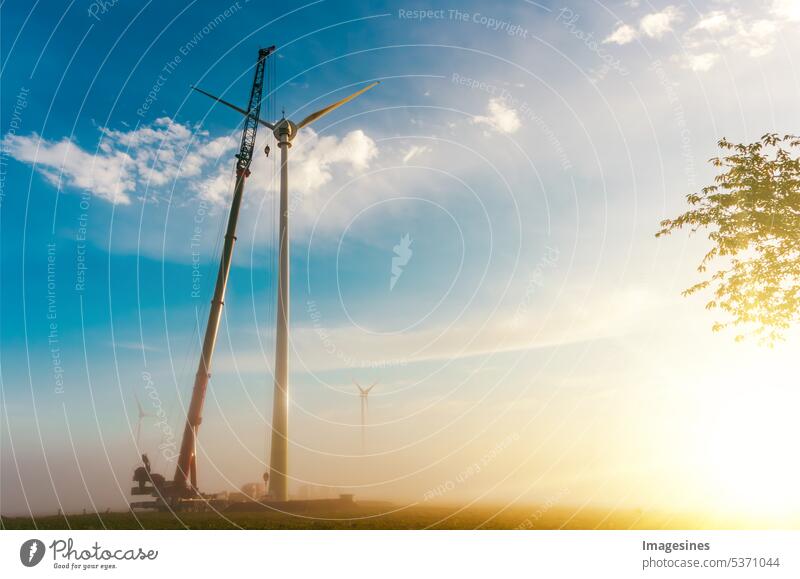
(363, 394)
(284, 131)
(141, 416)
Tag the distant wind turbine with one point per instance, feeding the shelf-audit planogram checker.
(364, 396)
(142, 415)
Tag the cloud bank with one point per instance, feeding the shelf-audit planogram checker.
(731, 28)
(151, 159)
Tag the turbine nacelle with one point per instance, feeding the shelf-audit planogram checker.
(364, 392)
(285, 131)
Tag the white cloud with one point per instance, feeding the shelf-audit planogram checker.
(622, 35)
(787, 9)
(216, 188)
(313, 161)
(757, 38)
(150, 156)
(658, 24)
(702, 62)
(413, 151)
(713, 22)
(155, 156)
(501, 118)
(166, 150)
(109, 175)
(740, 28)
(654, 25)
(313, 157)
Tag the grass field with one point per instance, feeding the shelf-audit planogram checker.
(363, 517)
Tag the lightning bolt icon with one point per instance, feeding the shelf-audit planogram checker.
(402, 254)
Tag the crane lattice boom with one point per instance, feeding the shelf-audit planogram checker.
(187, 458)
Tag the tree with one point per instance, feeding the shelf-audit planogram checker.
(752, 213)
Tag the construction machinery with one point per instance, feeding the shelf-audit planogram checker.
(184, 486)
(182, 490)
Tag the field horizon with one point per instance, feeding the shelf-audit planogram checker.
(371, 515)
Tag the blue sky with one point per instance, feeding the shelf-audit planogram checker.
(527, 149)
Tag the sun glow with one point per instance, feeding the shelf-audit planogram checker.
(748, 449)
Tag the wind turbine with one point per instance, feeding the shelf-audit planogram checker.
(142, 415)
(364, 396)
(285, 131)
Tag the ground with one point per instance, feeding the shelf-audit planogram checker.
(400, 517)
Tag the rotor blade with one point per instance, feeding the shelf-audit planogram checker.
(138, 404)
(138, 432)
(322, 112)
(270, 126)
(371, 386)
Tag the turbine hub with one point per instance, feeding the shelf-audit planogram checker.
(285, 130)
